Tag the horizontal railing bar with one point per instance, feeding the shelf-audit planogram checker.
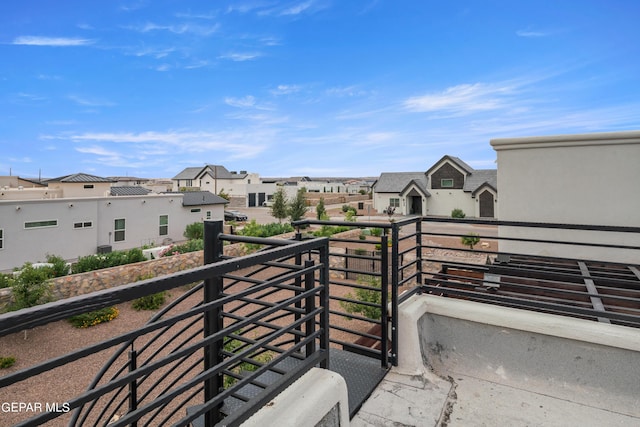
(353, 317)
(616, 228)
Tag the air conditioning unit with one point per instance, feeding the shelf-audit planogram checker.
(104, 249)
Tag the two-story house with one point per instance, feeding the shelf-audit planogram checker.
(449, 184)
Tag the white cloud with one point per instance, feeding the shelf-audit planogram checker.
(246, 102)
(286, 89)
(90, 102)
(462, 99)
(530, 33)
(51, 41)
(297, 9)
(241, 56)
(202, 30)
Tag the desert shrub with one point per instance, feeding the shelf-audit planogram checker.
(376, 232)
(6, 280)
(330, 230)
(254, 229)
(470, 240)
(457, 213)
(31, 287)
(150, 302)
(92, 318)
(111, 259)
(365, 295)
(59, 265)
(7, 362)
(236, 346)
(194, 231)
(183, 248)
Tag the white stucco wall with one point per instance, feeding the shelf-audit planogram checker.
(141, 225)
(591, 179)
(443, 201)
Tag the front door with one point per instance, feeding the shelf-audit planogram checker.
(486, 204)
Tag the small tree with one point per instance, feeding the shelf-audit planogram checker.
(279, 207)
(320, 209)
(224, 195)
(470, 240)
(194, 231)
(298, 206)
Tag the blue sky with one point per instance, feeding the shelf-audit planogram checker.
(304, 87)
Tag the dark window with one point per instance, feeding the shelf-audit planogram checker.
(164, 225)
(119, 228)
(88, 186)
(39, 224)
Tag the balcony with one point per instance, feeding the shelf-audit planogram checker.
(487, 333)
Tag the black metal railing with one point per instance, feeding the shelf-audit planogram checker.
(368, 267)
(583, 271)
(247, 328)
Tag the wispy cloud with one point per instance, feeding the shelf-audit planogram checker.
(246, 102)
(533, 34)
(87, 102)
(286, 89)
(51, 41)
(462, 99)
(241, 56)
(297, 9)
(183, 28)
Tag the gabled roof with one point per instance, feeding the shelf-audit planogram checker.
(421, 185)
(200, 198)
(481, 177)
(129, 191)
(455, 160)
(79, 178)
(395, 182)
(215, 171)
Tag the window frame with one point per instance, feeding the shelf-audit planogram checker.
(30, 225)
(449, 182)
(394, 202)
(164, 226)
(119, 231)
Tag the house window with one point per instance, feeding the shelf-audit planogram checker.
(1, 238)
(88, 186)
(394, 202)
(119, 228)
(208, 214)
(195, 210)
(446, 183)
(164, 225)
(189, 183)
(40, 224)
(83, 224)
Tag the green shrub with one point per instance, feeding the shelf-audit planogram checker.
(365, 295)
(254, 229)
(194, 231)
(236, 346)
(92, 318)
(150, 302)
(377, 232)
(6, 280)
(183, 248)
(111, 259)
(457, 213)
(470, 240)
(7, 362)
(31, 287)
(330, 230)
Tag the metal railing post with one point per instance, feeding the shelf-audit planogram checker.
(384, 288)
(324, 301)
(212, 318)
(395, 235)
(310, 305)
(298, 284)
(133, 385)
(419, 251)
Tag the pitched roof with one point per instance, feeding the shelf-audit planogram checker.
(199, 198)
(395, 182)
(480, 177)
(455, 160)
(421, 185)
(79, 177)
(130, 190)
(217, 171)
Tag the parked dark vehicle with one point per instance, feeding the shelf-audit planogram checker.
(234, 216)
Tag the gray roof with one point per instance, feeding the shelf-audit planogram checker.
(216, 171)
(480, 177)
(419, 184)
(199, 198)
(130, 190)
(395, 182)
(79, 177)
(456, 160)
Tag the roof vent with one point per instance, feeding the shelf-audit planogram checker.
(243, 172)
